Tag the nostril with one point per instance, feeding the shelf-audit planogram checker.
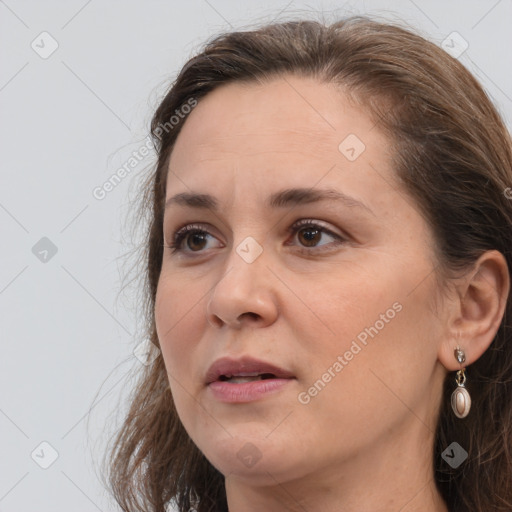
(214, 321)
(251, 315)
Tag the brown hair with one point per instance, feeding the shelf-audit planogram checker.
(453, 155)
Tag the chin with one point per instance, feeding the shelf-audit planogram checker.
(250, 454)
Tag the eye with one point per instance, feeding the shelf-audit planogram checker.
(310, 233)
(195, 236)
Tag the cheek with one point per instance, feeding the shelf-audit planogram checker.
(342, 304)
(179, 321)
(178, 324)
(377, 320)
(369, 387)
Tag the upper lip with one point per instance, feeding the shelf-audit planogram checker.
(228, 366)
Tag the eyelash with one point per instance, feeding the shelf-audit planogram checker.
(179, 236)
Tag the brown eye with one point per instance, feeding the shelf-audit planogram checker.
(191, 239)
(196, 241)
(309, 236)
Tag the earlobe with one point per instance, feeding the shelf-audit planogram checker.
(449, 349)
(477, 311)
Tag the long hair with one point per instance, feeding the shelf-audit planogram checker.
(452, 153)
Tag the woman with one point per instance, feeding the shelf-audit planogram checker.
(328, 279)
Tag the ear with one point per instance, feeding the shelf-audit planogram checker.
(475, 315)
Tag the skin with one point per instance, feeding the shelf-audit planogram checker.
(364, 442)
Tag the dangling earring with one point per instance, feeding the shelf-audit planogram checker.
(461, 401)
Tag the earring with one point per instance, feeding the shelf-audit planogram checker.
(461, 401)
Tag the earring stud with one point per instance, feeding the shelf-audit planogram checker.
(459, 355)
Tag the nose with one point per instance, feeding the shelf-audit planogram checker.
(243, 295)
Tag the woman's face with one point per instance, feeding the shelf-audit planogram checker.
(332, 284)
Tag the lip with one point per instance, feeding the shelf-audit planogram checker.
(246, 391)
(246, 364)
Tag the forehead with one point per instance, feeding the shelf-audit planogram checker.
(250, 139)
(286, 115)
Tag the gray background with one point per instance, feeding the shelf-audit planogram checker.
(68, 121)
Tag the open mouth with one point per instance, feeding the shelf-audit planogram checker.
(245, 380)
(246, 377)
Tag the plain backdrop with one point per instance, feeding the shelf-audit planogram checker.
(78, 83)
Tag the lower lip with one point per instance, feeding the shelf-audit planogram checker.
(246, 391)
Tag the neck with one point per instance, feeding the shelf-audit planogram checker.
(388, 476)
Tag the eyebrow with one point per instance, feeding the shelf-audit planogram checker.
(283, 199)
